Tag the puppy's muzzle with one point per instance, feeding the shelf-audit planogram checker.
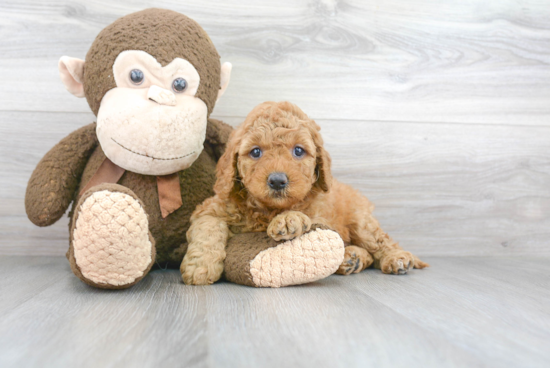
(277, 180)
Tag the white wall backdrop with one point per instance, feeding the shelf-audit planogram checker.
(438, 111)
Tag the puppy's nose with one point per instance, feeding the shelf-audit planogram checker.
(277, 180)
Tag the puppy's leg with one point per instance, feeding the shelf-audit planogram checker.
(356, 259)
(203, 262)
(288, 225)
(388, 255)
(365, 232)
(390, 258)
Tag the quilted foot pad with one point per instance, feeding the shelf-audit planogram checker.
(310, 257)
(111, 242)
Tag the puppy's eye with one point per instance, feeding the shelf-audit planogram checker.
(136, 76)
(256, 152)
(298, 152)
(179, 85)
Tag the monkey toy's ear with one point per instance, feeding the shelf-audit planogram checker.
(71, 71)
(225, 75)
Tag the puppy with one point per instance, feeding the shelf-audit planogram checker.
(275, 176)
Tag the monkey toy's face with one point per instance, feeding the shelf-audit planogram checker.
(152, 106)
(152, 123)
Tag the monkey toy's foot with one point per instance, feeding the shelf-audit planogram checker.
(111, 247)
(255, 259)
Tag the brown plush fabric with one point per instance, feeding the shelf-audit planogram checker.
(196, 184)
(108, 172)
(217, 134)
(241, 249)
(165, 35)
(53, 183)
(168, 185)
(70, 253)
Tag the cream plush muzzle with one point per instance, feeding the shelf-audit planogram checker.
(148, 127)
(147, 137)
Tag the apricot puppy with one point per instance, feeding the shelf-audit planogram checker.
(275, 176)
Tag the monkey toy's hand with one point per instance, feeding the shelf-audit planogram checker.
(288, 225)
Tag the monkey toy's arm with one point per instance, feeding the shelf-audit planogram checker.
(53, 183)
(217, 134)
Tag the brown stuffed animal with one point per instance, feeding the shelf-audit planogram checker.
(152, 78)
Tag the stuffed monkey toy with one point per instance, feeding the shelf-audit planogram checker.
(152, 79)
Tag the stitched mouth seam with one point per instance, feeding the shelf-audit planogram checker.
(154, 158)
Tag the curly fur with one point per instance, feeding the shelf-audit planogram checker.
(245, 203)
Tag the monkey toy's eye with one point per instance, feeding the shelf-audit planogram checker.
(256, 152)
(298, 152)
(136, 76)
(179, 84)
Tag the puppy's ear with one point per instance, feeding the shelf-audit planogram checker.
(323, 164)
(226, 169)
(322, 170)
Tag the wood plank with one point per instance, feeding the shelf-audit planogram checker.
(460, 189)
(462, 311)
(440, 189)
(487, 306)
(245, 327)
(324, 324)
(72, 324)
(453, 61)
(24, 277)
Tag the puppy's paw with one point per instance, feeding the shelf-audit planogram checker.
(397, 261)
(288, 225)
(355, 260)
(204, 270)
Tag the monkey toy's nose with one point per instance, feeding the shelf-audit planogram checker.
(161, 96)
(277, 180)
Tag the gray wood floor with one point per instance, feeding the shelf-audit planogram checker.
(461, 312)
